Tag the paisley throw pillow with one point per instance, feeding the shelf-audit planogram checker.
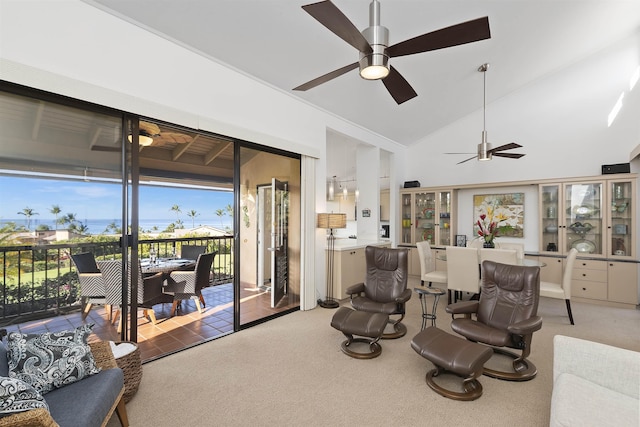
(18, 396)
(51, 359)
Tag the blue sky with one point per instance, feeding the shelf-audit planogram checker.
(97, 200)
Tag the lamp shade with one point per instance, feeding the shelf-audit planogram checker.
(332, 220)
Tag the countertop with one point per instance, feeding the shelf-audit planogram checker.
(348, 244)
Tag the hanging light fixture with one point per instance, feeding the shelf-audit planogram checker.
(484, 147)
(375, 65)
(332, 189)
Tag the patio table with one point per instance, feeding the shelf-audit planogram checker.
(166, 265)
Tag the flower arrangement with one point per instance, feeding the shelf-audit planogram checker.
(492, 223)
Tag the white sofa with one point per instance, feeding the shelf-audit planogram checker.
(594, 384)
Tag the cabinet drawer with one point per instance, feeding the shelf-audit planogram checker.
(591, 290)
(590, 275)
(590, 264)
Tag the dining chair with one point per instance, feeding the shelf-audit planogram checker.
(463, 274)
(562, 290)
(92, 286)
(184, 285)
(428, 273)
(149, 289)
(519, 248)
(503, 256)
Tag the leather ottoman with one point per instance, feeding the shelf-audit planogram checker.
(452, 354)
(370, 325)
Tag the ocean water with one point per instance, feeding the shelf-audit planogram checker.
(98, 226)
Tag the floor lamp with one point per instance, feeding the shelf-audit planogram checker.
(330, 221)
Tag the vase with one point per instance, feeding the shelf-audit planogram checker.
(489, 245)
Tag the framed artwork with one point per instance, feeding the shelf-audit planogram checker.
(461, 240)
(506, 210)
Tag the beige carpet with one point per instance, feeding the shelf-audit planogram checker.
(291, 371)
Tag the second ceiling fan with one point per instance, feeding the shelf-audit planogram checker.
(373, 45)
(485, 151)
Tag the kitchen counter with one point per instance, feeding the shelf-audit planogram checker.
(350, 244)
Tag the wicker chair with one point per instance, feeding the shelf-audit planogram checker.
(149, 289)
(184, 285)
(92, 287)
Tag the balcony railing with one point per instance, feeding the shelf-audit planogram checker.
(41, 280)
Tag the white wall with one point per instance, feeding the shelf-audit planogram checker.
(74, 49)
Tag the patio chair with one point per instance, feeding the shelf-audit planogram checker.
(184, 285)
(92, 286)
(149, 289)
(192, 251)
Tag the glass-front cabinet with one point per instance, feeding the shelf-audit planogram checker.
(621, 215)
(596, 218)
(427, 216)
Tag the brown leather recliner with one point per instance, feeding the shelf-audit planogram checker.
(385, 286)
(506, 316)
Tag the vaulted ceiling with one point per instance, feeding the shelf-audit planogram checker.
(277, 42)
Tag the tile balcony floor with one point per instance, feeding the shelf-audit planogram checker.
(169, 334)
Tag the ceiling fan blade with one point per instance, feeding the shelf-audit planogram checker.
(322, 79)
(470, 158)
(509, 146)
(508, 155)
(398, 86)
(457, 153)
(466, 32)
(331, 17)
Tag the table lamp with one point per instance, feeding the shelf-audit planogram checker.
(330, 221)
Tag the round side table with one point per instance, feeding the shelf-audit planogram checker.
(423, 293)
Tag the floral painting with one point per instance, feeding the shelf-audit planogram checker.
(503, 213)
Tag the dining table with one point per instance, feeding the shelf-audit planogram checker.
(526, 262)
(166, 265)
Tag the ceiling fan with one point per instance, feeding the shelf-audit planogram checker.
(485, 152)
(373, 45)
(150, 134)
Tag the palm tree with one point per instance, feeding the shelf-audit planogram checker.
(70, 219)
(176, 209)
(28, 213)
(193, 214)
(229, 209)
(55, 209)
(220, 213)
(113, 226)
(81, 228)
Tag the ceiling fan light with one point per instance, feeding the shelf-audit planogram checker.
(374, 72)
(144, 140)
(484, 151)
(375, 65)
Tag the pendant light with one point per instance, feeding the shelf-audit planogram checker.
(484, 147)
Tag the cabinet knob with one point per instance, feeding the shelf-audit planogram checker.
(584, 289)
(559, 260)
(584, 275)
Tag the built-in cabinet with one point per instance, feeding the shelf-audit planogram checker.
(427, 215)
(385, 206)
(595, 217)
(597, 280)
